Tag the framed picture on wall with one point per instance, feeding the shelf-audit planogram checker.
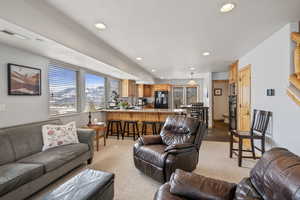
(218, 91)
(23, 80)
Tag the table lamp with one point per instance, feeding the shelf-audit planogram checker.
(90, 107)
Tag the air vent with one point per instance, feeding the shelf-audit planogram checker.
(14, 34)
(8, 32)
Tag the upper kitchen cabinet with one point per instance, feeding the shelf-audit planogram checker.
(233, 73)
(161, 87)
(144, 90)
(128, 88)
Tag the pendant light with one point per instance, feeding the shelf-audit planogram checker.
(192, 81)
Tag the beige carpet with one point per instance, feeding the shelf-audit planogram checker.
(130, 184)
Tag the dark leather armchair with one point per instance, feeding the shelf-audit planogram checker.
(177, 147)
(276, 176)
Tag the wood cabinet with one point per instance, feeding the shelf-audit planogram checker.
(144, 90)
(233, 73)
(160, 87)
(128, 88)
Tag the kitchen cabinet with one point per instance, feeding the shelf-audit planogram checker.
(144, 90)
(161, 87)
(147, 90)
(128, 88)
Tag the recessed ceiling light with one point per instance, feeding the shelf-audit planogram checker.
(139, 58)
(162, 77)
(192, 68)
(227, 7)
(153, 70)
(100, 26)
(206, 53)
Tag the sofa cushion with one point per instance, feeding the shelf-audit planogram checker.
(56, 157)
(7, 153)
(59, 135)
(14, 175)
(179, 130)
(27, 139)
(154, 154)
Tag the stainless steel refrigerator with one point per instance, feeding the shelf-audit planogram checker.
(161, 100)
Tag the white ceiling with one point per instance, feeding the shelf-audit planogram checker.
(171, 35)
(53, 50)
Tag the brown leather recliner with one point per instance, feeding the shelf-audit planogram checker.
(177, 147)
(276, 176)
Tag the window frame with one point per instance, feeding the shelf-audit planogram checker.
(78, 101)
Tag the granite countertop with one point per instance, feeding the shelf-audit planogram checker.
(147, 110)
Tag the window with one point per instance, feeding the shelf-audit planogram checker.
(184, 95)
(178, 96)
(95, 90)
(191, 95)
(62, 90)
(114, 86)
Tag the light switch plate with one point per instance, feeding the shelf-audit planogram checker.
(2, 107)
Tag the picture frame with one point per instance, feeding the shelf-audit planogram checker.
(23, 80)
(218, 92)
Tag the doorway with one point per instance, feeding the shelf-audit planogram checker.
(220, 107)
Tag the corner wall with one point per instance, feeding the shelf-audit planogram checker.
(271, 66)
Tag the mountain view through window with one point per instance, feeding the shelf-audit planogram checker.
(62, 90)
(95, 90)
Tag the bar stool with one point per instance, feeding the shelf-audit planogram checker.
(114, 132)
(145, 126)
(160, 126)
(135, 128)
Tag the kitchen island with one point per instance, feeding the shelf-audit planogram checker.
(158, 115)
(140, 115)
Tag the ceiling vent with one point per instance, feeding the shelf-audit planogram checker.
(7, 32)
(14, 34)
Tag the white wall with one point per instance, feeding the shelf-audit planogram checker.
(22, 109)
(220, 104)
(271, 66)
(220, 75)
(26, 109)
(207, 94)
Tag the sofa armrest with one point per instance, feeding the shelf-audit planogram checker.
(150, 139)
(193, 186)
(179, 147)
(87, 136)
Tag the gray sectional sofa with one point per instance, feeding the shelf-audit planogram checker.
(25, 169)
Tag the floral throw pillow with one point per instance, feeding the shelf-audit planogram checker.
(57, 135)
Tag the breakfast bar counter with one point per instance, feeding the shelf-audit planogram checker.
(158, 115)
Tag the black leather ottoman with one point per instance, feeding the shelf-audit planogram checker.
(87, 185)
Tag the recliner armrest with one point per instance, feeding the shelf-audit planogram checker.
(87, 136)
(150, 139)
(175, 147)
(193, 186)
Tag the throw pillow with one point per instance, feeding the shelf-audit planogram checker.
(57, 135)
